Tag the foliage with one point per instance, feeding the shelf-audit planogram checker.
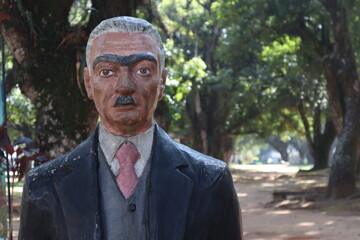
(177, 85)
(80, 12)
(17, 154)
(292, 69)
(236, 67)
(196, 34)
(21, 114)
(256, 77)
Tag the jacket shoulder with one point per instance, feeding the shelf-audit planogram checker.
(200, 158)
(206, 168)
(41, 180)
(44, 176)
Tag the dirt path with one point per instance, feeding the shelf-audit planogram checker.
(267, 220)
(287, 219)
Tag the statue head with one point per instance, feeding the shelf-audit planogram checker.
(125, 74)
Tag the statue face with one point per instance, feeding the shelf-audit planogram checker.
(125, 81)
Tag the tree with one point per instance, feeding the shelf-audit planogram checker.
(304, 93)
(276, 142)
(327, 37)
(327, 34)
(47, 40)
(22, 115)
(344, 95)
(212, 104)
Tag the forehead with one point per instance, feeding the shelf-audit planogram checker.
(123, 44)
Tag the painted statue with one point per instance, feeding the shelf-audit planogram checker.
(129, 180)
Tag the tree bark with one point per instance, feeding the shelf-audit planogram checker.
(199, 135)
(319, 142)
(341, 67)
(342, 180)
(207, 111)
(322, 146)
(48, 53)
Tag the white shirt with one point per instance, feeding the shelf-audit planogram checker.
(110, 143)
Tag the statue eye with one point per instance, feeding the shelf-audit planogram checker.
(106, 72)
(143, 71)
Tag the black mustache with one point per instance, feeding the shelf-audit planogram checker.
(124, 100)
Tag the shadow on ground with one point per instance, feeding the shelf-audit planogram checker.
(278, 203)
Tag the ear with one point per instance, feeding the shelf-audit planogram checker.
(87, 83)
(163, 82)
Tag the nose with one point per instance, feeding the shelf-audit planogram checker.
(125, 85)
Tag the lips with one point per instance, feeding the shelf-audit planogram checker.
(121, 101)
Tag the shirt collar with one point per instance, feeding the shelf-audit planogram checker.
(110, 143)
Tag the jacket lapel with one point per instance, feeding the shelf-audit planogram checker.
(170, 189)
(78, 191)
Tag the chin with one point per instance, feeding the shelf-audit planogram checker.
(125, 121)
(123, 117)
(132, 122)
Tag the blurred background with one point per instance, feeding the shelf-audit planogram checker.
(251, 82)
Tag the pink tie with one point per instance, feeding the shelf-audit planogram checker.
(127, 155)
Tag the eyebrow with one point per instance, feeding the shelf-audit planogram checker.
(124, 60)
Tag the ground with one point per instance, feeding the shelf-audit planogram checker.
(300, 216)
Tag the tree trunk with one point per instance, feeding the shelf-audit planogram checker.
(318, 142)
(207, 113)
(64, 116)
(162, 114)
(228, 148)
(323, 144)
(221, 146)
(279, 146)
(47, 54)
(197, 120)
(341, 68)
(342, 181)
(302, 147)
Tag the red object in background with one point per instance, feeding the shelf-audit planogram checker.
(3, 15)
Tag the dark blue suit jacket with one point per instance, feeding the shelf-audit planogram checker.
(191, 196)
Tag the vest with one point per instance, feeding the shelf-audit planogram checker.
(123, 219)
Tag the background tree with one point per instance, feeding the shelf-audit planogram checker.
(344, 94)
(236, 67)
(21, 117)
(327, 37)
(253, 81)
(299, 97)
(218, 103)
(231, 37)
(47, 40)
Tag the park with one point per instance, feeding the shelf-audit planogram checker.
(271, 88)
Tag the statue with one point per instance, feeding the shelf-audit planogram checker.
(129, 180)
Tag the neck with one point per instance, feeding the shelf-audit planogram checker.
(127, 130)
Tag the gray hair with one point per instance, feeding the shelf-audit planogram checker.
(128, 25)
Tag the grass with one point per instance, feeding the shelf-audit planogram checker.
(340, 205)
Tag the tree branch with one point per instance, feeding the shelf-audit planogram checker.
(306, 123)
(15, 37)
(154, 17)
